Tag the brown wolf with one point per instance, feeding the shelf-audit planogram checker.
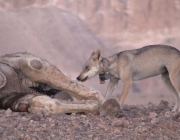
(133, 65)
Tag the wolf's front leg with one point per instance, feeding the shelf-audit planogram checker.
(126, 87)
(112, 85)
(48, 105)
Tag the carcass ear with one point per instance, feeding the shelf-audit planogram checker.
(35, 64)
(2, 80)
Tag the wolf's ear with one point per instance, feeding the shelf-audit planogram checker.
(93, 54)
(98, 54)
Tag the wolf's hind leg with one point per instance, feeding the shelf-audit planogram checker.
(167, 82)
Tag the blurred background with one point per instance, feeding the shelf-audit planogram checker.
(65, 32)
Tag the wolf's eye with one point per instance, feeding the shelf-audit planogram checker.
(86, 67)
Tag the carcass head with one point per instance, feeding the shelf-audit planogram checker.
(34, 68)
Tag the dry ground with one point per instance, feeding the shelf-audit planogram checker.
(137, 122)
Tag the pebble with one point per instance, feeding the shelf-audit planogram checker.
(168, 114)
(119, 123)
(152, 115)
(163, 105)
(8, 112)
(135, 124)
(35, 117)
(155, 120)
(2, 129)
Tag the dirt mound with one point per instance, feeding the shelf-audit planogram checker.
(139, 122)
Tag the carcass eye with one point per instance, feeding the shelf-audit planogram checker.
(35, 64)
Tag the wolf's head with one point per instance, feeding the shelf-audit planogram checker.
(92, 66)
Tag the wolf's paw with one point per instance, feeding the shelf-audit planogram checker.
(111, 108)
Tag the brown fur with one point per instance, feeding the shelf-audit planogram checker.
(138, 64)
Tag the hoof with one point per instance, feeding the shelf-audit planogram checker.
(111, 108)
(23, 107)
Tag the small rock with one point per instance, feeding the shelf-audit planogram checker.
(163, 105)
(169, 125)
(90, 136)
(10, 137)
(155, 120)
(34, 137)
(168, 114)
(35, 117)
(151, 106)
(2, 129)
(82, 123)
(27, 137)
(119, 123)
(102, 126)
(73, 117)
(8, 112)
(152, 115)
(95, 137)
(136, 119)
(83, 116)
